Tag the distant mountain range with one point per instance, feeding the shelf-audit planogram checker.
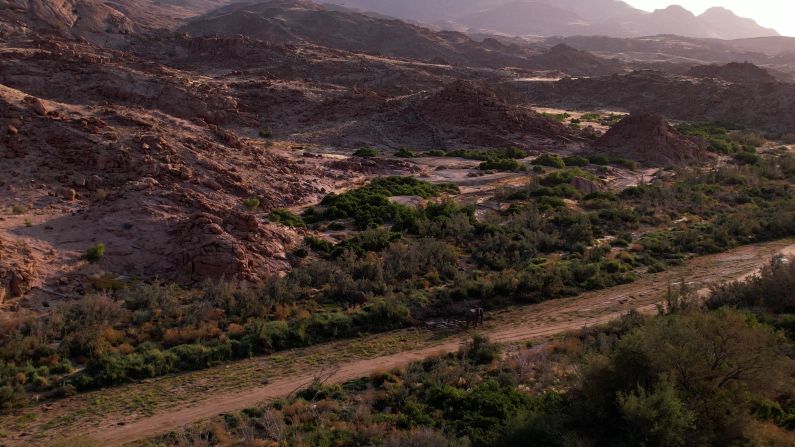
(565, 18)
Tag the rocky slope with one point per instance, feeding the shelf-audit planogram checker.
(767, 107)
(141, 158)
(301, 21)
(99, 21)
(735, 72)
(649, 139)
(461, 114)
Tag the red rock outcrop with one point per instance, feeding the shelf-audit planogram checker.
(649, 139)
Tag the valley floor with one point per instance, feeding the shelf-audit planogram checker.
(131, 413)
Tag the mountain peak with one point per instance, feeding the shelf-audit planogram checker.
(718, 11)
(675, 10)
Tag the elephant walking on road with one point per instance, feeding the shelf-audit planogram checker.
(474, 317)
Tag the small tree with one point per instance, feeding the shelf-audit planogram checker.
(95, 252)
(252, 203)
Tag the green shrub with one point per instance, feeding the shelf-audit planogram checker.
(367, 152)
(599, 159)
(95, 252)
(481, 351)
(624, 163)
(550, 160)
(251, 204)
(502, 164)
(576, 161)
(266, 133)
(370, 206)
(286, 218)
(320, 245)
(750, 158)
(492, 154)
(559, 117)
(405, 153)
(565, 176)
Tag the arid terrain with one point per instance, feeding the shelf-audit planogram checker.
(287, 190)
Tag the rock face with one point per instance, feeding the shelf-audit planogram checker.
(96, 20)
(738, 73)
(649, 139)
(17, 270)
(586, 186)
(68, 18)
(470, 114)
(132, 177)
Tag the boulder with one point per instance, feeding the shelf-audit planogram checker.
(586, 186)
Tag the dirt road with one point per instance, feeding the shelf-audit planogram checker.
(230, 387)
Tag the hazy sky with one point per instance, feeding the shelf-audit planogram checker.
(778, 14)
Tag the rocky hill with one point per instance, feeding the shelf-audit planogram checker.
(301, 21)
(103, 149)
(574, 62)
(738, 73)
(99, 21)
(649, 139)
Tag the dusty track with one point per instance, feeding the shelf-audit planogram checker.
(223, 393)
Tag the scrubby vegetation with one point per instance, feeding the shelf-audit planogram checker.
(95, 253)
(723, 139)
(502, 164)
(686, 377)
(405, 153)
(550, 160)
(286, 217)
(559, 117)
(370, 206)
(402, 266)
(251, 203)
(366, 152)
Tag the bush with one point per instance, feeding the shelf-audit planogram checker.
(550, 160)
(366, 152)
(576, 161)
(624, 163)
(95, 253)
(11, 398)
(502, 164)
(266, 133)
(405, 153)
(559, 117)
(481, 351)
(286, 218)
(370, 206)
(750, 158)
(512, 153)
(566, 176)
(251, 204)
(599, 159)
(320, 245)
